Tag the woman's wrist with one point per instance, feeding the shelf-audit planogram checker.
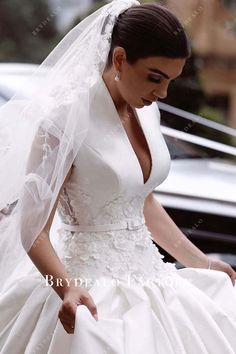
(63, 289)
(205, 263)
(200, 262)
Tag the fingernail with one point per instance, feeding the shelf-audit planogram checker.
(96, 317)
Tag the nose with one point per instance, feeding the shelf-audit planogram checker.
(161, 92)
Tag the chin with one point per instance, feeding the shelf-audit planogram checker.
(137, 104)
(141, 105)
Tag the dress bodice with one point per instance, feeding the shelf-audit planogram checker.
(106, 184)
(106, 187)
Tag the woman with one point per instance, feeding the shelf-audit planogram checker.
(106, 282)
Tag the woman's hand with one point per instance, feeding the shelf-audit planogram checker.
(217, 264)
(73, 297)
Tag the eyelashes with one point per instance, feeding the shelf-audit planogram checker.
(157, 81)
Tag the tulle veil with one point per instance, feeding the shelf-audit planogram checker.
(40, 135)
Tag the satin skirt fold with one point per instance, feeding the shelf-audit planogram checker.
(193, 313)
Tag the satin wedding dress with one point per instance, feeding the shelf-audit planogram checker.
(145, 305)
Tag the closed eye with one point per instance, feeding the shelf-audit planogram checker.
(157, 81)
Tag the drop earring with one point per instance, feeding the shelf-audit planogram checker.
(117, 77)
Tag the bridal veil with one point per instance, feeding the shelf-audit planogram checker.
(40, 135)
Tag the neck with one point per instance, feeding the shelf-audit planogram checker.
(119, 102)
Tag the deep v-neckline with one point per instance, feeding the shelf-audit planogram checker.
(131, 146)
(126, 138)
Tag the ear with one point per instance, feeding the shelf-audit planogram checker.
(119, 56)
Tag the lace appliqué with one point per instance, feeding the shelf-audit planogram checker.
(46, 147)
(65, 208)
(118, 208)
(120, 254)
(127, 255)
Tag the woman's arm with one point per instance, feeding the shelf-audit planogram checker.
(167, 234)
(44, 256)
(48, 263)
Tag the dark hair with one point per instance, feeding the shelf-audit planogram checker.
(149, 30)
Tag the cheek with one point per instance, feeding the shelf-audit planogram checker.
(137, 86)
(132, 81)
(131, 87)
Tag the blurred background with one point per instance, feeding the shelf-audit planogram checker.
(198, 117)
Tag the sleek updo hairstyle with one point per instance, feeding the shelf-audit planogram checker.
(149, 30)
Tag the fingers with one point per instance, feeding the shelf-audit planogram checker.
(226, 267)
(67, 316)
(233, 277)
(231, 273)
(88, 301)
(69, 327)
(67, 312)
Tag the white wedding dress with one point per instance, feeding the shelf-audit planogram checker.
(144, 305)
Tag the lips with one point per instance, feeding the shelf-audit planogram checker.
(147, 102)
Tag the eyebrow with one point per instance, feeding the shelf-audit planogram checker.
(157, 71)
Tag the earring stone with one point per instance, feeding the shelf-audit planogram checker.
(117, 77)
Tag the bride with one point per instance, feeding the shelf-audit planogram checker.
(88, 145)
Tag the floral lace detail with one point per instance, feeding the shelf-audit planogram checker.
(68, 207)
(81, 210)
(46, 147)
(127, 255)
(118, 208)
(65, 208)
